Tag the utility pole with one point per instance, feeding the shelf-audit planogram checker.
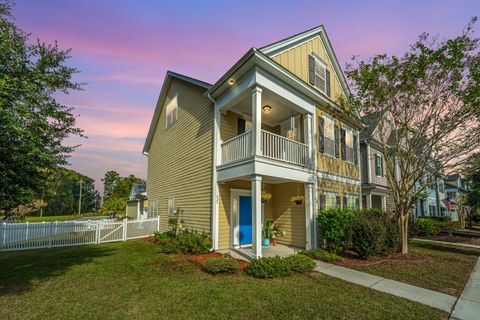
(80, 198)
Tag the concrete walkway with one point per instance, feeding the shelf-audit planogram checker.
(431, 298)
(468, 305)
(450, 243)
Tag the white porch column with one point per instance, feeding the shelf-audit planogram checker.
(257, 216)
(384, 203)
(369, 201)
(309, 216)
(256, 120)
(307, 129)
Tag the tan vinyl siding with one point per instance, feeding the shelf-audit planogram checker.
(180, 158)
(132, 209)
(289, 217)
(229, 126)
(296, 61)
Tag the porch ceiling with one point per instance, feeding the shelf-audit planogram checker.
(281, 109)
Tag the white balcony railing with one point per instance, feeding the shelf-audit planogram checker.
(280, 148)
(237, 148)
(274, 147)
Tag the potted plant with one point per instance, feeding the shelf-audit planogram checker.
(298, 200)
(266, 196)
(269, 232)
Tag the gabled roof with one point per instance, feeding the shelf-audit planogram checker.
(170, 75)
(280, 46)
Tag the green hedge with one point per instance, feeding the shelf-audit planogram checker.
(271, 267)
(427, 227)
(319, 254)
(221, 265)
(188, 241)
(335, 228)
(300, 263)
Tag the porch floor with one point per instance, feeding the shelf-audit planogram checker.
(272, 251)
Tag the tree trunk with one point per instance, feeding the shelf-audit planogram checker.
(403, 226)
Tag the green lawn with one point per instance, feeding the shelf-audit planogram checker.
(60, 218)
(131, 280)
(444, 268)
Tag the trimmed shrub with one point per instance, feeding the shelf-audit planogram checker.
(427, 227)
(221, 265)
(450, 226)
(334, 228)
(189, 241)
(300, 263)
(319, 254)
(369, 234)
(271, 267)
(392, 236)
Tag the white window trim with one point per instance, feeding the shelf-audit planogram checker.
(330, 193)
(167, 124)
(171, 206)
(355, 198)
(349, 129)
(381, 167)
(329, 118)
(324, 65)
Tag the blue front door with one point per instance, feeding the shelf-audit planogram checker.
(245, 220)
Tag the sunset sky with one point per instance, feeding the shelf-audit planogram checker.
(124, 48)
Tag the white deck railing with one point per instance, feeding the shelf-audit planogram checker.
(274, 147)
(237, 148)
(280, 148)
(21, 236)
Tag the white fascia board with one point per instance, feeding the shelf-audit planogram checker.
(236, 92)
(337, 178)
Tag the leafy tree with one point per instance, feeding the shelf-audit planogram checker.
(117, 200)
(111, 179)
(432, 97)
(472, 172)
(33, 124)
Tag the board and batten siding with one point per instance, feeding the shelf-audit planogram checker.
(180, 158)
(296, 61)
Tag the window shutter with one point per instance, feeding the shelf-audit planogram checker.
(344, 144)
(344, 202)
(327, 80)
(381, 166)
(355, 150)
(322, 202)
(321, 134)
(337, 147)
(311, 70)
(240, 126)
(338, 199)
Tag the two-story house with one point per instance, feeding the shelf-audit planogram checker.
(268, 132)
(455, 185)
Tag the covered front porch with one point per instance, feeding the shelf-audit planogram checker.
(248, 204)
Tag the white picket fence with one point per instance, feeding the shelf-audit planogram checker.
(22, 236)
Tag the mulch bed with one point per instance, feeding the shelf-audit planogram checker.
(199, 259)
(454, 239)
(350, 259)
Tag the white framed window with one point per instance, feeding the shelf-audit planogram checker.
(320, 75)
(153, 211)
(378, 165)
(351, 202)
(349, 149)
(329, 136)
(330, 200)
(172, 111)
(171, 205)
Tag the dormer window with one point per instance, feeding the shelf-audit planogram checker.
(319, 76)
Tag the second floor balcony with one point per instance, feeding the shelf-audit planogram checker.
(273, 146)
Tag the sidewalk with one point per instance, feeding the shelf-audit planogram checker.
(468, 305)
(449, 243)
(431, 298)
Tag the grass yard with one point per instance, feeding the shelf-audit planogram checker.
(442, 268)
(132, 280)
(61, 218)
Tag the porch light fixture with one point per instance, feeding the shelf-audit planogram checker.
(266, 108)
(231, 81)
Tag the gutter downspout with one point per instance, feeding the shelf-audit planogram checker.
(214, 200)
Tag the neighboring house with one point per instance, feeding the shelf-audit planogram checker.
(432, 204)
(137, 203)
(455, 184)
(375, 186)
(271, 124)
